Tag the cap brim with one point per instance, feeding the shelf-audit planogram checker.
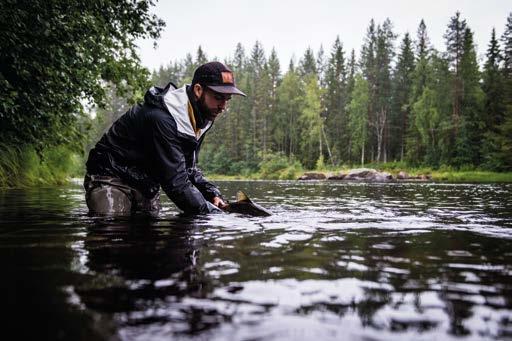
(226, 89)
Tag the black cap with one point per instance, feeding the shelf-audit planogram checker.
(217, 77)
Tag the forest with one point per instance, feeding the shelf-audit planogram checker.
(65, 77)
(398, 101)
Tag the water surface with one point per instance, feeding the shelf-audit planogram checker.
(335, 261)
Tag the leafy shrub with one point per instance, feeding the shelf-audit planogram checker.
(320, 165)
(279, 167)
(22, 166)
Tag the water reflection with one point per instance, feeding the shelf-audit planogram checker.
(142, 270)
(353, 261)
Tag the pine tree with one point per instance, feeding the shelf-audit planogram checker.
(379, 119)
(507, 64)
(367, 62)
(200, 57)
(335, 102)
(414, 152)
(368, 68)
(258, 99)
(239, 58)
(188, 68)
(274, 70)
(351, 74)
(307, 65)
(423, 42)
(494, 108)
(455, 48)
(376, 57)
(311, 121)
(291, 65)
(423, 50)
(503, 140)
(493, 85)
(469, 140)
(290, 102)
(237, 108)
(507, 47)
(402, 92)
(321, 66)
(358, 116)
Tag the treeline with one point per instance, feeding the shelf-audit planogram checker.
(397, 101)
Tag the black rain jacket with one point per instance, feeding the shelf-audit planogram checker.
(154, 144)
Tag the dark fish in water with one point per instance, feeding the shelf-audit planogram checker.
(244, 205)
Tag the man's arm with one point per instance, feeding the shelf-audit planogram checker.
(208, 189)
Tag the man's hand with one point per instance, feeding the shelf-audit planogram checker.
(217, 201)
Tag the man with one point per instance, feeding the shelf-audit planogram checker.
(157, 144)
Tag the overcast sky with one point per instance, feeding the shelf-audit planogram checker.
(291, 26)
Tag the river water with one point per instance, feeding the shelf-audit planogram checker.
(336, 260)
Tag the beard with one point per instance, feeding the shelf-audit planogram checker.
(206, 112)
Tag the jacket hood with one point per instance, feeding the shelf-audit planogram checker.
(155, 95)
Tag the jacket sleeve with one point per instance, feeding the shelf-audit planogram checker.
(170, 168)
(208, 189)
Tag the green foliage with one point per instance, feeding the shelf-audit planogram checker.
(279, 167)
(335, 100)
(507, 47)
(23, 166)
(214, 161)
(402, 92)
(455, 34)
(391, 167)
(57, 54)
(471, 176)
(320, 164)
(290, 101)
(430, 109)
(307, 65)
(311, 122)
(429, 121)
(358, 116)
(499, 157)
(472, 122)
(114, 107)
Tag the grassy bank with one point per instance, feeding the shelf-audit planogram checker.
(446, 173)
(471, 176)
(439, 176)
(443, 174)
(22, 166)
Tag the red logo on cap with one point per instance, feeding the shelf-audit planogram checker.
(227, 77)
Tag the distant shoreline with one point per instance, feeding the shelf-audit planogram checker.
(477, 177)
(430, 176)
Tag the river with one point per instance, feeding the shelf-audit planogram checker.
(335, 261)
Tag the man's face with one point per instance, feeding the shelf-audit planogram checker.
(212, 104)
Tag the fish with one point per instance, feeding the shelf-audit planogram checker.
(244, 205)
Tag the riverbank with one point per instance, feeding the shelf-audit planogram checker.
(419, 174)
(472, 176)
(23, 167)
